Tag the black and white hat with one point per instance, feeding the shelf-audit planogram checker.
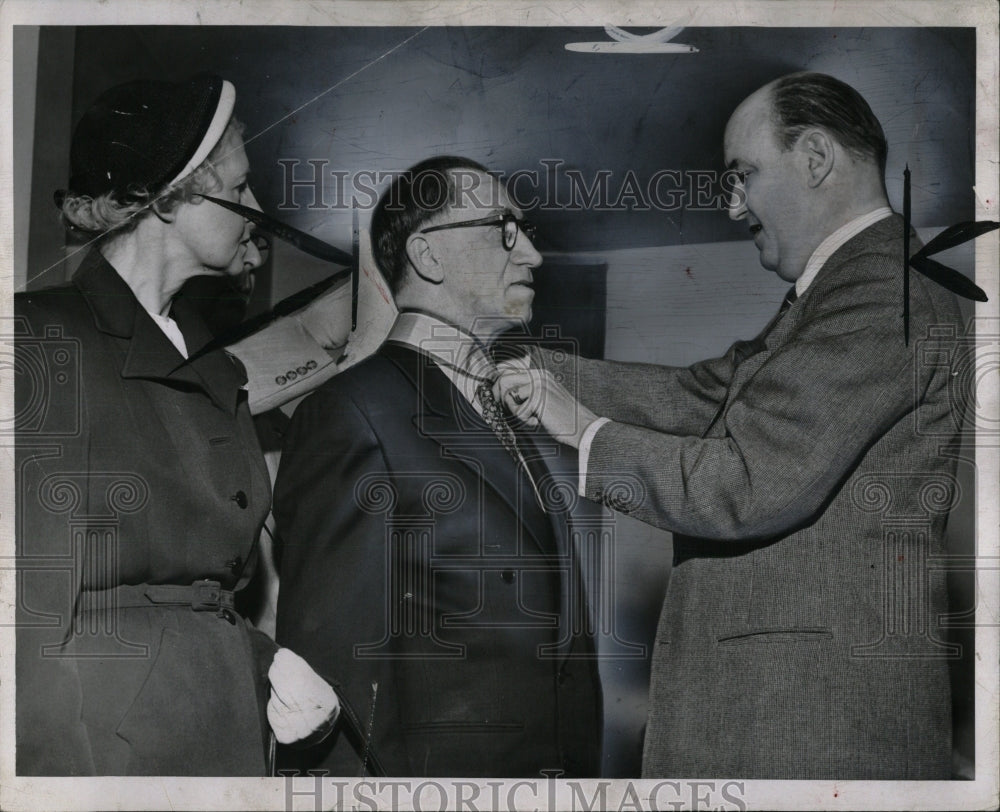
(145, 135)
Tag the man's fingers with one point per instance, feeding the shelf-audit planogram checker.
(519, 389)
(520, 364)
(525, 409)
(509, 381)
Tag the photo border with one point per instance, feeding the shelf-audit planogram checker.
(209, 793)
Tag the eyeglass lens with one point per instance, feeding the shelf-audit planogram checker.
(510, 231)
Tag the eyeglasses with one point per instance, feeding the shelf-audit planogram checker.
(510, 226)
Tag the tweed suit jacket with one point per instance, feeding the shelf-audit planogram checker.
(806, 491)
(419, 574)
(133, 472)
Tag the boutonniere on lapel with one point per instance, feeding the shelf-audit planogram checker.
(946, 277)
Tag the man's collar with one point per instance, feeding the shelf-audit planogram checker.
(447, 343)
(828, 247)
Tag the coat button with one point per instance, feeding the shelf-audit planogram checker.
(508, 576)
(240, 499)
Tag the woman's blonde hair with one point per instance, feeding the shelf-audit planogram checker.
(112, 214)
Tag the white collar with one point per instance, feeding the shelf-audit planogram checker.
(826, 249)
(457, 350)
(170, 330)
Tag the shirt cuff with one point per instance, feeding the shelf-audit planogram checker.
(584, 452)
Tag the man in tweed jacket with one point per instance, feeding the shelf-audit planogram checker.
(800, 474)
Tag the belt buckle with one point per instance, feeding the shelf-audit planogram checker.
(206, 596)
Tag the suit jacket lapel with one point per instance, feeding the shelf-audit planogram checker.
(222, 375)
(775, 334)
(150, 354)
(572, 515)
(444, 416)
(447, 418)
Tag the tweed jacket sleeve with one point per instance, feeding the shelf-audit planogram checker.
(679, 400)
(835, 376)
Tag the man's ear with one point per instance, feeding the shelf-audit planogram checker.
(423, 260)
(819, 154)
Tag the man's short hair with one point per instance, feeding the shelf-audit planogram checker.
(412, 199)
(804, 100)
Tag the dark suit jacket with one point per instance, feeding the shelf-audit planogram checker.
(807, 492)
(131, 474)
(415, 559)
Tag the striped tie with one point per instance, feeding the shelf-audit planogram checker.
(742, 350)
(495, 418)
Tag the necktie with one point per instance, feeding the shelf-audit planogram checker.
(790, 297)
(745, 349)
(497, 421)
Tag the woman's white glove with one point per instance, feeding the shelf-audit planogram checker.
(302, 703)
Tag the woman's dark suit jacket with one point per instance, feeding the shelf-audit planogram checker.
(131, 474)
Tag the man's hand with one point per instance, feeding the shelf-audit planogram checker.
(534, 396)
(302, 703)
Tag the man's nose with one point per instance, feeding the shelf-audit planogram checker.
(737, 202)
(252, 258)
(525, 252)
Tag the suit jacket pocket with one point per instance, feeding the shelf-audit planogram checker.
(776, 635)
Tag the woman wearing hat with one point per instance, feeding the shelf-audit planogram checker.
(142, 488)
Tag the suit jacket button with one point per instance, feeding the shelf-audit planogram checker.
(240, 499)
(508, 576)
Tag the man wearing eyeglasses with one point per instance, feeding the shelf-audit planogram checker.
(425, 566)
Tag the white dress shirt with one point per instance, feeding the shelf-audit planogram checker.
(823, 252)
(828, 247)
(170, 330)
